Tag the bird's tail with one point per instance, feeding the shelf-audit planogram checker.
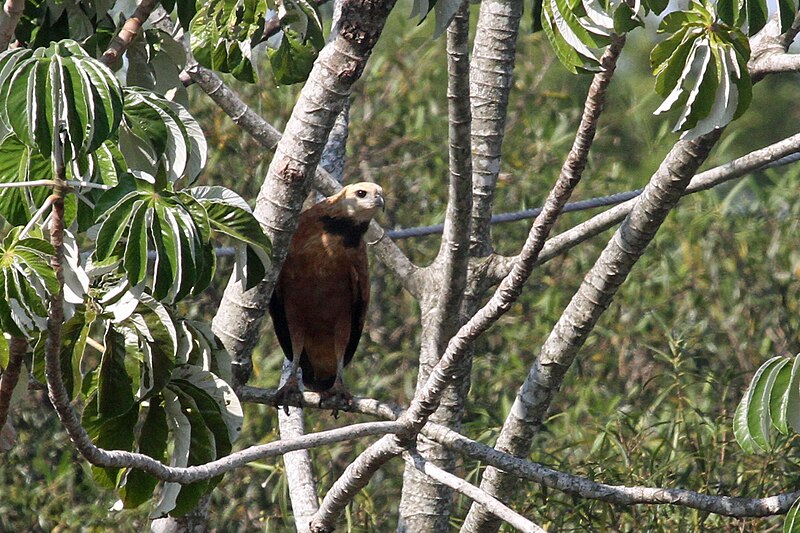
(311, 381)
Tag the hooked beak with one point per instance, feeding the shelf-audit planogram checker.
(380, 202)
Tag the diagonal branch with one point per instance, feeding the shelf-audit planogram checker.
(478, 518)
(708, 179)
(415, 460)
(616, 494)
(592, 299)
(128, 33)
(9, 18)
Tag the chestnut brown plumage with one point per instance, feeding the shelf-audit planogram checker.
(321, 296)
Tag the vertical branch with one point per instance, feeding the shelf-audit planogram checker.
(493, 58)
(9, 18)
(55, 317)
(479, 519)
(425, 503)
(8, 380)
(297, 154)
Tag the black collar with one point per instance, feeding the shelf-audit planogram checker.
(350, 230)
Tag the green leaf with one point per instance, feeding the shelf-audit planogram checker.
(60, 83)
(18, 164)
(223, 32)
(791, 524)
(565, 53)
(292, 61)
(159, 134)
(790, 405)
(218, 404)
(115, 225)
(152, 441)
(26, 283)
(4, 352)
(625, 19)
(114, 391)
(781, 377)
(233, 220)
(657, 6)
(180, 431)
(727, 11)
(111, 433)
(752, 418)
(757, 14)
(158, 341)
(135, 258)
(201, 450)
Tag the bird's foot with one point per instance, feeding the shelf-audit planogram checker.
(288, 394)
(337, 397)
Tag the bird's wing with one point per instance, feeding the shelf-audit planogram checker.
(359, 281)
(277, 310)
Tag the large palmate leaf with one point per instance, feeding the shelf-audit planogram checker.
(19, 163)
(138, 220)
(222, 34)
(701, 69)
(59, 87)
(26, 283)
(159, 135)
(772, 401)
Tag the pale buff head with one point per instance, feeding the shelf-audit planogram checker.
(359, 201)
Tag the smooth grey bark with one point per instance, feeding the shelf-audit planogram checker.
(425, 503)
(491, 70)
(297, 464)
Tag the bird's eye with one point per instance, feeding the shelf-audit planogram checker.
(361, 193)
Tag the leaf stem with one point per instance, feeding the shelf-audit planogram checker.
(35, 218)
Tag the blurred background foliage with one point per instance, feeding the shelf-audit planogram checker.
(650, 398)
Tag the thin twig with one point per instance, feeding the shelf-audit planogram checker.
(491, 503)
(36, 216)
(24, 184)
(601, 222)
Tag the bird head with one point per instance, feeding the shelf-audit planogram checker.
(359, 201)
